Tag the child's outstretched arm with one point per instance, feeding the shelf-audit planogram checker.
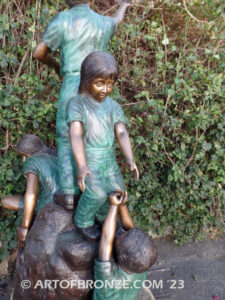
(77, 144)
(41, 53)
(30, 200)
(109, 227)
(125, 217)
(124, 141)
(121, 11)
(11, 202)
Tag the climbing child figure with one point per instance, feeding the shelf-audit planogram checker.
(41, 172)
(134, 254)
(76, 33)
(94, 120)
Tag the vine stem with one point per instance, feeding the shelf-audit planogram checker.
(191, 15)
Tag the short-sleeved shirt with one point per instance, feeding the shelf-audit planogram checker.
(46, 168)
(118, 284)
(78, 32)
(98, 119)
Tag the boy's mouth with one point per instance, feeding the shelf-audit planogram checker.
(102, 95)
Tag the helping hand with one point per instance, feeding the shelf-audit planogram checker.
(116, 198)
(125, 199)
(82, 173)
(133, 167)
(21, 236)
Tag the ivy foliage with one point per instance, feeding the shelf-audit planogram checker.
(171, 87)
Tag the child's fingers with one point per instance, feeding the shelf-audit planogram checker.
(80, 184)
(124, 198)
(136, 173)
(83, 182)
(90, 174)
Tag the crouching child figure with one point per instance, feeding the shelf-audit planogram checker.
(134, 253)
(95, 119)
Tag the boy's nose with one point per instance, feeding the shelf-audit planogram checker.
(104, 89)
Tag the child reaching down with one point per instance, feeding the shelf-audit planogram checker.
(94, 120)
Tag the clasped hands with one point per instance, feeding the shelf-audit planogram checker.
(84, 171)
(118, 198)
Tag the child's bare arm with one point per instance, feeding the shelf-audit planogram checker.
(124, 141)
(41, 53)
(121, 12)
(77, 144)
(11, 202)
(125, 217)
(109, 227)
(30, 200)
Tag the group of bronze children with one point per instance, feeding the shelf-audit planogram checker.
(84, 167)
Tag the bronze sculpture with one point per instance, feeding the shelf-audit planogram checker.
(87, 121)
(135, 254)
(76, 32)
(41, 172)
(94, 120)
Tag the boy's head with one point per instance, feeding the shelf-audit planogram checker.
(135, 250)
(72, 3)
(99, 71)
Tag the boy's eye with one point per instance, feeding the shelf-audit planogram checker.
(99, 83)
(109, 86)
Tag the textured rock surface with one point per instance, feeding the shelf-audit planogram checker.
(54, 251)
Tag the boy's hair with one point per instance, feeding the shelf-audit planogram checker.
(72, 3)
(97, 64)
(31, 144)
(135, 251)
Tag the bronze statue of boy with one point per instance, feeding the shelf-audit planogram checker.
(95, 119)
(135, 254)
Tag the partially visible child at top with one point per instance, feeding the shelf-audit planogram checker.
(76, 32)
(94, 120)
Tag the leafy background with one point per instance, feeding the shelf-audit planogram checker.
(171, 87)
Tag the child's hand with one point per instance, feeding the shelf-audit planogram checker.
(116, 198)
(133, 167)
(125, 199)
(82, 173)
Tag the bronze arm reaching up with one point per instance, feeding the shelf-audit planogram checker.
(109, 227)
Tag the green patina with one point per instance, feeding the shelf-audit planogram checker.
(76, 32)
(118, 284)
(98, 120)
(46, 168)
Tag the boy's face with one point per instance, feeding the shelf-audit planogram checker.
(100, 88)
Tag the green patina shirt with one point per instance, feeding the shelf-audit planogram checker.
(124, 286)
(46, 168)
(78, 32)
(98, 119)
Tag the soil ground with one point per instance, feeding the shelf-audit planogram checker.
(194, 271)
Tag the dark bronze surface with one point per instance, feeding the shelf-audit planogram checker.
(55, 250)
